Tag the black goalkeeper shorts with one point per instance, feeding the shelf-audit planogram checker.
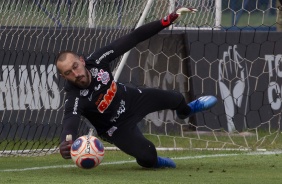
(140, 102)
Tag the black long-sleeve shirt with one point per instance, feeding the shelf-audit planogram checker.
(104, 101)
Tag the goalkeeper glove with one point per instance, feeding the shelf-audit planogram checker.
(174, 16)
(65, 147)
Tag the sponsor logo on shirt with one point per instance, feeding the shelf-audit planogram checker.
(99, 99)
(75, 105)
(108, 98)
(120, 110)
(111, 131)
(104, 56)
(96, 88)
(94, 72)
(84, 92)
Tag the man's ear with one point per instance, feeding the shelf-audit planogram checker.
(82, 60)
(62, 76)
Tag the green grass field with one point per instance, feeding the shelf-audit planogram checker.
(192, 167)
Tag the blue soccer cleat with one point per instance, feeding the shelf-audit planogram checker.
(165, 162)
(201, 104)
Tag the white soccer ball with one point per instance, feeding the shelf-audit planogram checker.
(87, 152)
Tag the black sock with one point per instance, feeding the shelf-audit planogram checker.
(183, 110)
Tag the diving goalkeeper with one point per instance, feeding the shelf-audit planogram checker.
(113, 108)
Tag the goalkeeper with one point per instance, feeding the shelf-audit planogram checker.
(113, 108)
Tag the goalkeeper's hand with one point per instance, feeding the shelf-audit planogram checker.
(174, 16)
(65, 147)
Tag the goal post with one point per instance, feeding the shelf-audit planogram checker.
(171, 8)
(125, 56)
(205, 53)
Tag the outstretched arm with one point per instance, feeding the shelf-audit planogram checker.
(127, 42)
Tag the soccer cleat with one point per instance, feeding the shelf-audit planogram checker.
(198, 105)
(201, 104)
(165, 162)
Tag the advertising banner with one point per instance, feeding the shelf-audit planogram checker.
(244, 70)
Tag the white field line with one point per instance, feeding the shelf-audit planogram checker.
(56, 150)
(132, 161)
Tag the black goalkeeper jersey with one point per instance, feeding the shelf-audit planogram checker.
(104, 102)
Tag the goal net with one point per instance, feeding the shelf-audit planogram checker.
(228, 49)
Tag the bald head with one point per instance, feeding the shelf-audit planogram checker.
(62, 56)
(72, 68)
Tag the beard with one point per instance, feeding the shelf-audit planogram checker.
(83, 81)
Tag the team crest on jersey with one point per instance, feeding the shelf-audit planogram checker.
(84, 92)
(94, 72)
(103, 76)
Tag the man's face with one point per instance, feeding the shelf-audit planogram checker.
(73, 69)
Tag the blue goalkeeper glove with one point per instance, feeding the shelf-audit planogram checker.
(174, 16)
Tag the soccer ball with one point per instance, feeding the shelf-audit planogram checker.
(87, 152)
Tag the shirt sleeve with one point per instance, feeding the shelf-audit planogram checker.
(126, 42)
(70, 126)
(72, 117)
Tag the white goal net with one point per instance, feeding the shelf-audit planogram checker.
(229, 49)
